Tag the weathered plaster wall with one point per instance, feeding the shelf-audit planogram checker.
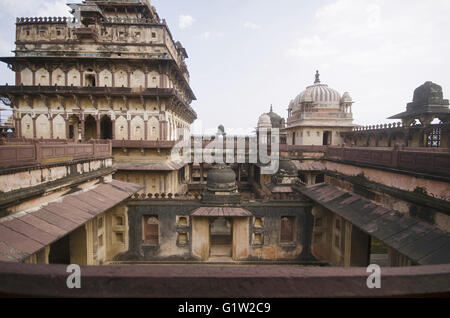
(34, 177)
(252, 241)
(405, 193)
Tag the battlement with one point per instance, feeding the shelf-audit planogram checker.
(44, 20)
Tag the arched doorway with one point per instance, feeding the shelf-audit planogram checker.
(221, 237)
(74, 127)
(327, 135)
(105, 128)
(90, 128)
(90, 79)
(60, 251)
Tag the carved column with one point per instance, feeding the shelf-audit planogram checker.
(34, 127)
(82, 128)
(129, 129)
(146, 129)
(113, 123)
(308, 227)
(68, 129)
(18, 78)
(80, 69)
(98, 127)
(18, 128)
(50, 120)
(50, 77)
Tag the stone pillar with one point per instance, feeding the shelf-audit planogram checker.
(129, 129)
(146, 129)
(166, 183)
(50, 77)
(98, 128)
(68, 129)
(200, 238)
(81, 77)
(407, 138)
(34, 127)
(113, 123)
(18, 128)
(82, 129)
(308, 227)
(241, 244)
(78, 246)
(201, 173)
(51, 127)
(422, 138)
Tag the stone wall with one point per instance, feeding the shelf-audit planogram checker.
(255, 239)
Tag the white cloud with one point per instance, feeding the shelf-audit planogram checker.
(34, 8)
(381, 49)
(205, 35)
(251, 25)
(185, 21)
(379, 33)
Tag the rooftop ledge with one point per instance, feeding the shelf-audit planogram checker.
(188, 281)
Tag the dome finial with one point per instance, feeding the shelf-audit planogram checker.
(271, 108)
(317, 81)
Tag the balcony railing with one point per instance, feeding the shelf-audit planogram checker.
(41, 153)
(142, 144)
(417, 159)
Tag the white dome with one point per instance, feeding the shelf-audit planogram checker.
(306, 97)
(319, 94)
(264, 121)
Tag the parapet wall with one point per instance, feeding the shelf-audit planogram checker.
(217, 281)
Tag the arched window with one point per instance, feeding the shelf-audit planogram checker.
(287, 229)
(151, 229)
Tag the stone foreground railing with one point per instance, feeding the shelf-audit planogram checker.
(192, 281)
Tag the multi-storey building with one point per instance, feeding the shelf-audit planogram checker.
(114, 72)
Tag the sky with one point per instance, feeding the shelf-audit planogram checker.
(245, 55)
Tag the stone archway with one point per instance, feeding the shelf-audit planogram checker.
(90, 128)
(221, 237)
(74, 127)
(106, 128)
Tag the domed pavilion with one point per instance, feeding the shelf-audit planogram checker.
(318, 115)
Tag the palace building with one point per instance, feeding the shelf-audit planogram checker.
(318, 116)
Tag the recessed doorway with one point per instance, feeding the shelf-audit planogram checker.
(327, 135)
(221, 238)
